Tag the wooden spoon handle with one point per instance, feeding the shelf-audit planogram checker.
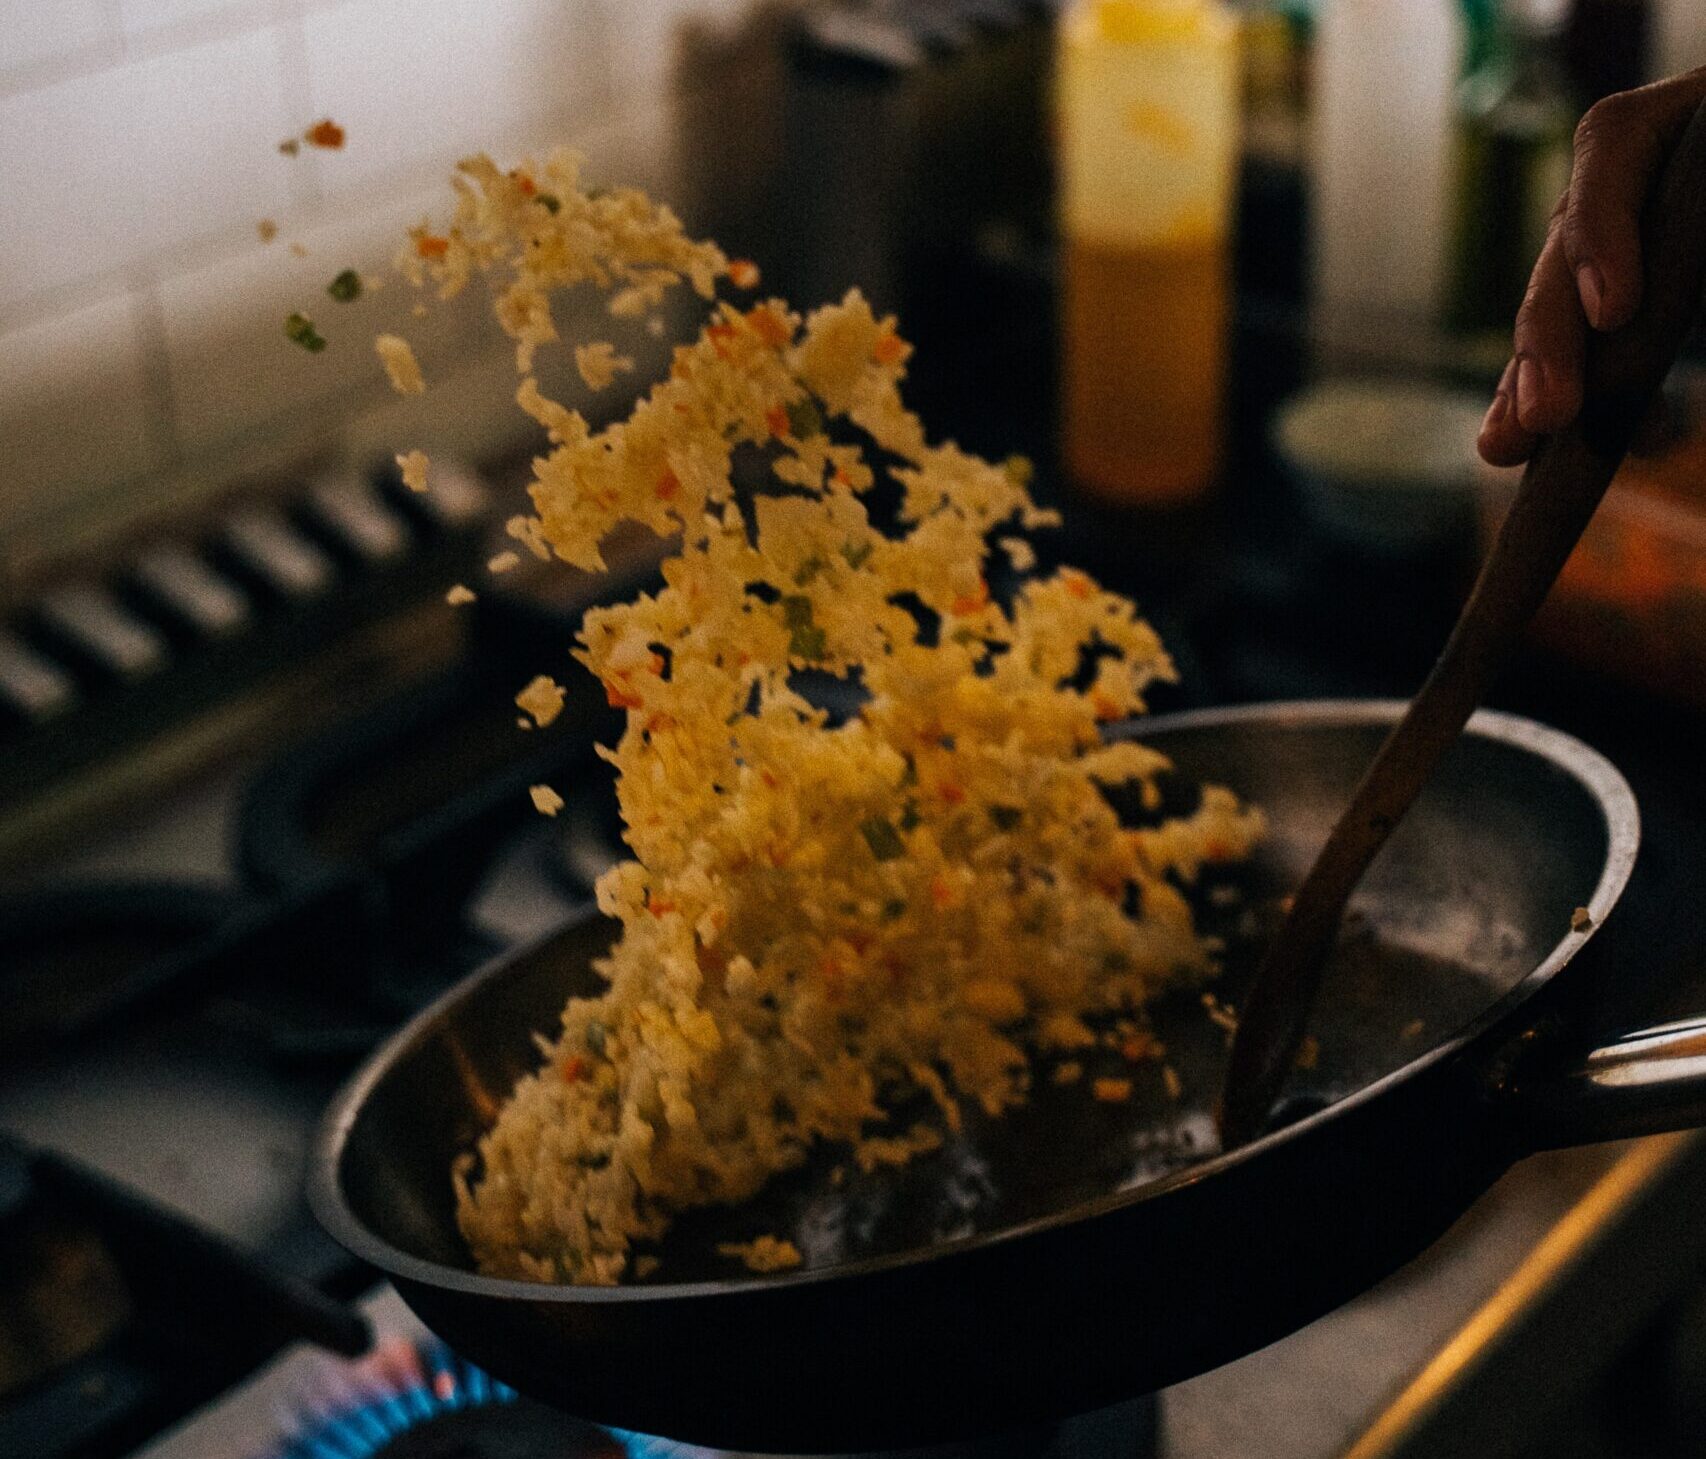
(1560, 490)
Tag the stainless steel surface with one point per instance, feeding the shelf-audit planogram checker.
(240, 1129)
(1417, 1368)
(455, 497)
(347, 508)
(1642, 1082)
(93, 625)
(1592, 1282)
(266, 547)
(246, 1423)
(31, 688)
(189, 591)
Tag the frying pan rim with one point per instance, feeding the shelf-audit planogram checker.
(1610, 791)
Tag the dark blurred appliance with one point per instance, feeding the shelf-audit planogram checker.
(1607, 45)
(902, 148)
(906, 147)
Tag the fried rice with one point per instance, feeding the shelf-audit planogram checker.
(820, 920)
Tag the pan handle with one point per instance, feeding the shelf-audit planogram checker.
(1643, 1083)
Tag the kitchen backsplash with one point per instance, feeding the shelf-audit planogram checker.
(142, 359)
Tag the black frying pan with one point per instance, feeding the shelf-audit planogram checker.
(1074, 1253)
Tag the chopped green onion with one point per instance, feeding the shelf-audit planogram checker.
(894, 909)
(345, 287)
(883, 839)
(909, 817)
(806, 640)
(299, 329)
(808, 570)
(1006, 817)
(804, 418)
(808, 643)
(857, 552)
(595, 1036)
(550, 202)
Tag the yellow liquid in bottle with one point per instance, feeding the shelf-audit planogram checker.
(1144, 364)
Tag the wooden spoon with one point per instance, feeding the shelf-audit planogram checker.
(1562, 486)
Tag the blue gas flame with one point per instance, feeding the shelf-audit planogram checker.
(353, 1410)
(398, 1388)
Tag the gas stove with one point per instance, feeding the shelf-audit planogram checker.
(410, 1396)
(192, 971)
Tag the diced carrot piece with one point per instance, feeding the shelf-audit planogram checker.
(972, 602)
(769, 326)
(1137, 1047)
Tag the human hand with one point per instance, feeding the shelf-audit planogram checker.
(1589, 272)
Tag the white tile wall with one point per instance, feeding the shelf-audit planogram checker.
(199, 140)
(421, 85)
(66, 187)
(141, 319)
(141, 17)
(73, 408)
(103, 170)
(642, 39)
(231, 367)
(34, 31)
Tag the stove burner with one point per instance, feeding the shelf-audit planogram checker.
(418, 1400)
(74, 954)
(408, 1400)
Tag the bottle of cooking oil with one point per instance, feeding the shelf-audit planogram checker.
(1514, 118)
(1148, 102)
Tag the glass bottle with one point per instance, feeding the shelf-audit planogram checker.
(1148, 105)
(1515, 116)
